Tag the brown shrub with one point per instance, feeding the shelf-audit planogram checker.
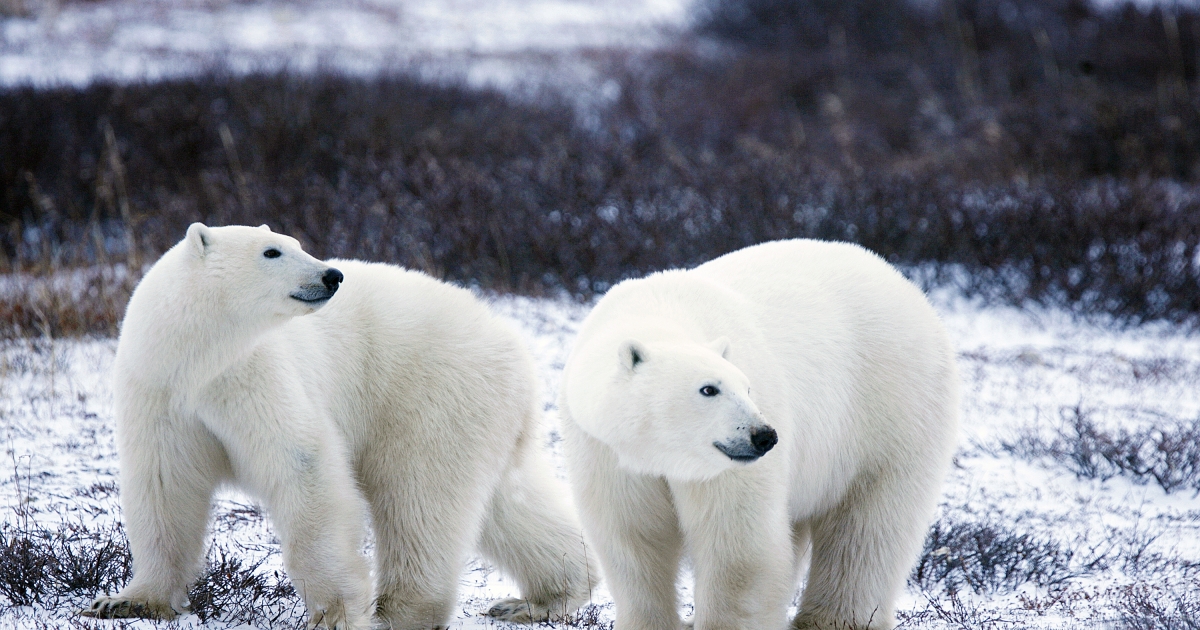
(1058, 172)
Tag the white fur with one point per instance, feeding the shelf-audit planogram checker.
(825, 343)
(403, 399)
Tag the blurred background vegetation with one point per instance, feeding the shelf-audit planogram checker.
(1029, 151)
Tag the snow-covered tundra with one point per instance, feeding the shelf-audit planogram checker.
(792, 396)
(240, 360)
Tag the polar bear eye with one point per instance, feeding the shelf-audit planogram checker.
(272, 253)
(709, 390)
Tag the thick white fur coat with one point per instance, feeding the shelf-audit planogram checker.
(402, 401)
(822, 342)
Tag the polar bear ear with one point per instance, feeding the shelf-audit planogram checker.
(265, 227)
(720, 345)
(631, 353)
(200, 238)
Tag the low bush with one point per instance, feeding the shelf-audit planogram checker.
(1166, 452)
(67, 565)
(979, 88)
(44, 566)
(1153, 607)
(237, 591)
(78, 301)
(990, 558)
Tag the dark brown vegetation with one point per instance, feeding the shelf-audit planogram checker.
(1150, 607)
(1047, 149)
(1165, 452)
(68, 565)
(982, 557)
(233, 590)
(52, 566)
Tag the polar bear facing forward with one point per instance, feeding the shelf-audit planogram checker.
(792, 398)
(331, 398)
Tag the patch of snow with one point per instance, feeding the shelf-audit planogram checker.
(131, 40)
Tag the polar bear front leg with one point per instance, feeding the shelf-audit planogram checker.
(169, 469)
(631, 522)
(740, 541)
(299, 468)
(862, 552)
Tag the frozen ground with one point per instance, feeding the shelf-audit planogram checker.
(508, 43)
(1084, 548)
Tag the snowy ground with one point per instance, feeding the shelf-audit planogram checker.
(507, 43)
(1022, 371)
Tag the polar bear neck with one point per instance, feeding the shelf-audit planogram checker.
(168, 336)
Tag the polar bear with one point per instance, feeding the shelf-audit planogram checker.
(241, 360)
(792, 401)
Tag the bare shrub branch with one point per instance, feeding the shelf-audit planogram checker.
(987, 557)
(1166, 453)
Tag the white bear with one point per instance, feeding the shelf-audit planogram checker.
(789, 396)
(240, 360)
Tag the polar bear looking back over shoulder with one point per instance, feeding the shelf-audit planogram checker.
(333, 394)
(787, 393)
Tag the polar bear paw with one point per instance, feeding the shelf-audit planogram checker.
(336, 616)
(386, 625)
(123, 608)
(516, 610)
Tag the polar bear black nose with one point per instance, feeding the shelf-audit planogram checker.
(332, 278)
(763, 438)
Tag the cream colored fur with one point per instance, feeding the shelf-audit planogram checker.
(823, 342)
(403, 400)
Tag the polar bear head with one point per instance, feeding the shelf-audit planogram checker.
(263, 277)
(681, 410)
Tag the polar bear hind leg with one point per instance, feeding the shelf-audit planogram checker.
(530, 534)
(420, 549)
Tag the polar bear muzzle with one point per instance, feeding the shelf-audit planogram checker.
(316, 293)
(761, 439)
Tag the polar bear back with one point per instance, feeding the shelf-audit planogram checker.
(841, 314)
(461, 371)
(871, 376)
